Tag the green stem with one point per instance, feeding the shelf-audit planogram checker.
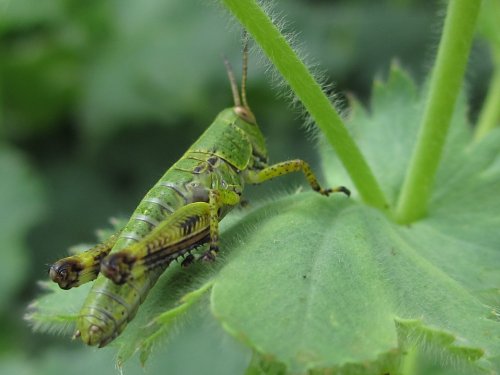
(490, 113)
(409, 364)
(274, 45)
(447, 76)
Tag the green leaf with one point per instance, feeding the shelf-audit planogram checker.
(21, 203)
(56, 312)
(325, 283)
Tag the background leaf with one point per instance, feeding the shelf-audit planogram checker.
(20, 199)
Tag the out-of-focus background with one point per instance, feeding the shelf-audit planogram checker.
(98, 98)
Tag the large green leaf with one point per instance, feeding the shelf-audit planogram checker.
(324, 283)
(316, 283)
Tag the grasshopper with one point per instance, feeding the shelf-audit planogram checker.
(180, 213)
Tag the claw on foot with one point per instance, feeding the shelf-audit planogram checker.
(210, 255)
(340, 189)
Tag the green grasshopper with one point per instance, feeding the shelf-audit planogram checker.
(180, 213)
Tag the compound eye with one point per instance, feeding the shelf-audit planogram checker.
(245, 114)
(63, 274)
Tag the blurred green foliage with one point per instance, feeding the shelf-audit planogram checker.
(98, 98)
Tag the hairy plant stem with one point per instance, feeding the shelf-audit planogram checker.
(489, 117)
(293, 70)
(409, 363)
(446, 79)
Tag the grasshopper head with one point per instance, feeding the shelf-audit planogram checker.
(246, 122)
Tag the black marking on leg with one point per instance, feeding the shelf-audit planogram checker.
(162, 258)
(189, 224)
(188, 260)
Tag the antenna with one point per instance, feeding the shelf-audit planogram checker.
(245, 69)
(232, 81)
